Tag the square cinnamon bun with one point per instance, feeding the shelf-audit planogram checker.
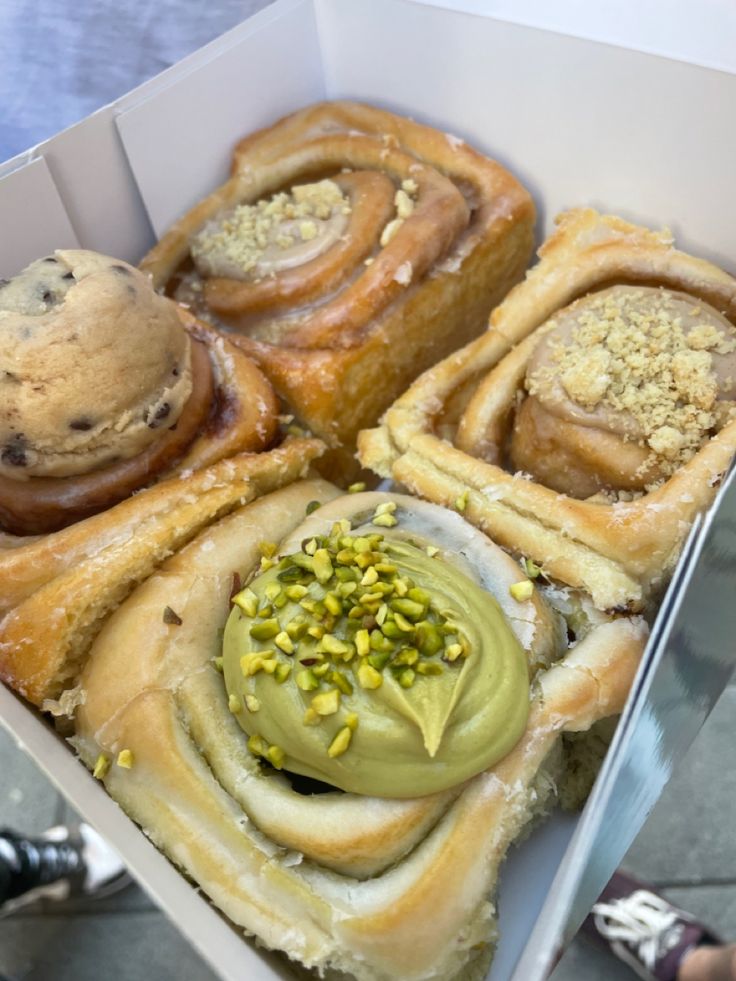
(349, 250)
(593, 420)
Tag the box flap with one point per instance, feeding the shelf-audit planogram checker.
(263, 69)
(580, 123)
(213, 936)
(35, 221)
(699, 33)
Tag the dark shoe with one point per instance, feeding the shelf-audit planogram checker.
(644, 930)
(59, 864)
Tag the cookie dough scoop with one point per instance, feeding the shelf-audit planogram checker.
(104, 386)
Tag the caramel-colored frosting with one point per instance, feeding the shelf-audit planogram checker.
(624, 388)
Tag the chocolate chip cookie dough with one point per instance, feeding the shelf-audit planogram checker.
(106, 387)
(92, 364)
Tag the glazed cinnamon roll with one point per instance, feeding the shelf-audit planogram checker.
(338, 732)
(59, 588)
(107, 386)
(350, 249)
(595, 418)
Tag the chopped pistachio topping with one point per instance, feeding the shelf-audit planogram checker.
(327, 702)
(356, 488)
(369, 677)
(247, 600)
(453, 651)
(355, 618)
(234, 703)
(283, 641)
(531, 568)
(275, 756)
(125, 758)
(256, 745)
(266, 630)
(341, 742)
(307, 680)
(461, 502)
(522, 591)
(102, 765)
(322, 565)
(251, 663)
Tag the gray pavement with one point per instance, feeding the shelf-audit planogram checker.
(687, 849)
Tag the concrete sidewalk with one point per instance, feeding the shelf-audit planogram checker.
(687, 849)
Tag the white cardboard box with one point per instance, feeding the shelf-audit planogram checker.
(580, 122)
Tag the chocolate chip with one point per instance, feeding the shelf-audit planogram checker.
(161, 412)
(14, 452)
(123, 270)
(175, 372)
(50, 258)
(82, 425)
(48, 296)
(69, 275)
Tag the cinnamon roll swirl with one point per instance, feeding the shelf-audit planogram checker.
(350, 647)
(349, 250)
(594, 419)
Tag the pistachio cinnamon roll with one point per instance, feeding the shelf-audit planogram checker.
(106, 387)
(350, 249)
(337, 732)
(595, 418)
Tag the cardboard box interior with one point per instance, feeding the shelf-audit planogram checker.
(579, 122)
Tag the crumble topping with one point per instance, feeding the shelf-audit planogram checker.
(285, 230)
(404, 200)
(648, 363)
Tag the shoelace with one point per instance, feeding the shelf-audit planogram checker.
(647, 923)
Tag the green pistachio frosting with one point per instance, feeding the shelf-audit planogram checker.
(369, 662)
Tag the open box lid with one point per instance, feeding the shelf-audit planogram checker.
(579, 122)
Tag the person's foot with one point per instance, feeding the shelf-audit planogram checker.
(644, 930)
(59, 864)
(709, 964)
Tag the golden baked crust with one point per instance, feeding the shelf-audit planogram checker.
(341, 339)
(58, 589)
(380, 889)
(244, 417)
(445, 435)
